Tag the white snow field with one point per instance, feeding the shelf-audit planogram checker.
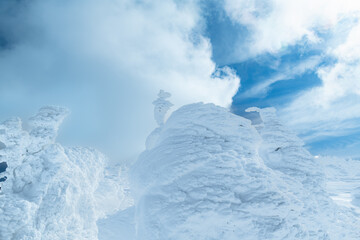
(206, 174)
(53, 192)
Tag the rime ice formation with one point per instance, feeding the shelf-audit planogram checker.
(162, 106)
(209, 174)
(283, 151)
(53, 192)
(206, 174)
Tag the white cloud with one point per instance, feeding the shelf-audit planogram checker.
(275, 24)
(333, 107)
(106, 60)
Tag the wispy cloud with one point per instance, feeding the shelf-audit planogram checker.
(288, 72)
(106, 60)
(330, 107)
(274, 25)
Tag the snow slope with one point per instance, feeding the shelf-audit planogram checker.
(209, 174)
(53, 192)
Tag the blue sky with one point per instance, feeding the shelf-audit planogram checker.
(106, 61)
(274, 79)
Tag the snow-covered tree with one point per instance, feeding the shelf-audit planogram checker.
(161, 107)
(51, 191)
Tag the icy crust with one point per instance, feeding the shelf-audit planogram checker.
(209, 174)
(52, 192)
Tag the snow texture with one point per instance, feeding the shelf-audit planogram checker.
(206, 174)
(53, 192)
(209, 174)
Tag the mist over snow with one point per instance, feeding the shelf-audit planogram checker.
(106, 60)
(179, 119)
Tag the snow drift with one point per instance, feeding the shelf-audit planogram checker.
(53, 192)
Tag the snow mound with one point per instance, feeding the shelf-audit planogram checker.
(53, 192)
(209, 174)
